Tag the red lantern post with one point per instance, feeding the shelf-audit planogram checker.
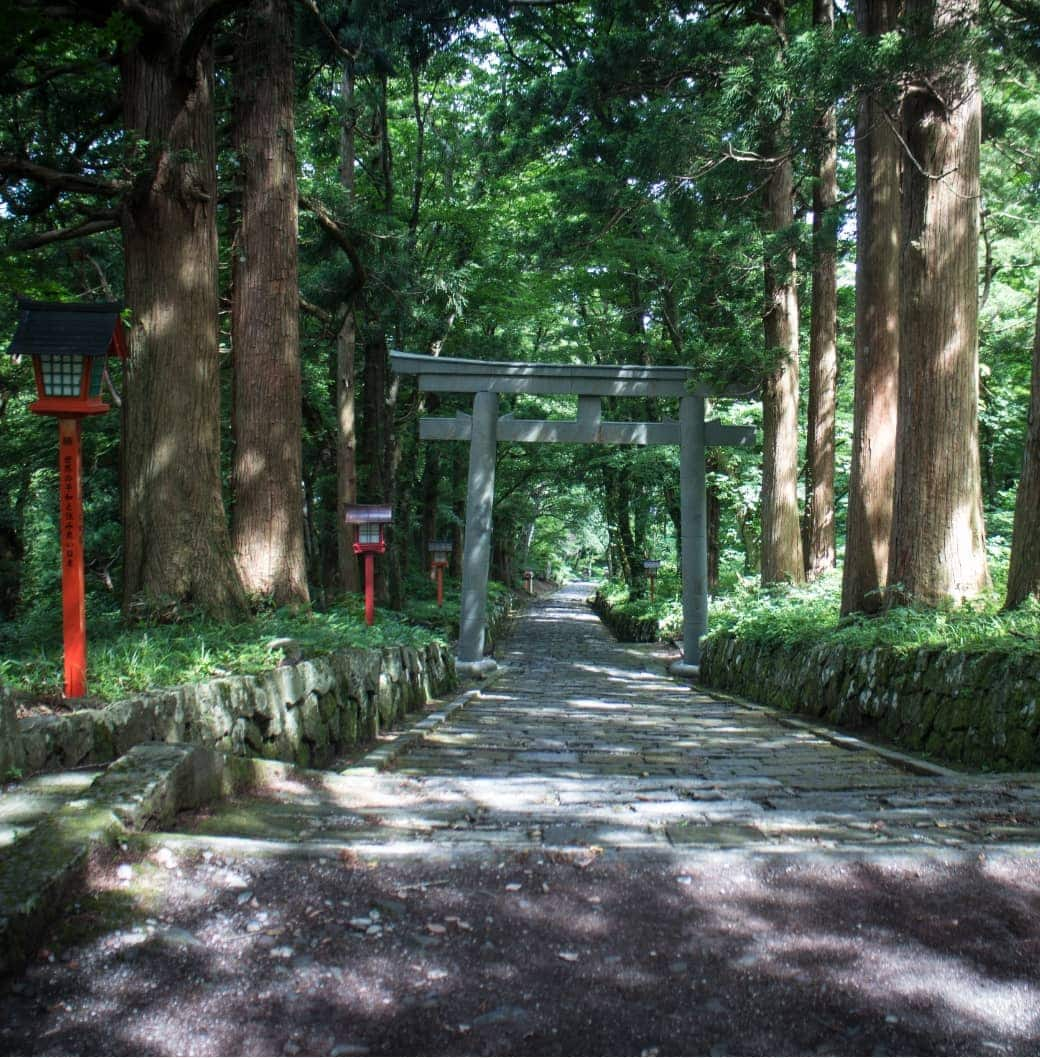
(369, 523)
(440, 553)
(529, 581)
(69, 344)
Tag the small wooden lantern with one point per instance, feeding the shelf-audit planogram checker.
(370, 522)
(529, 581)
(69, 344)
(652, 565)
(440, 553)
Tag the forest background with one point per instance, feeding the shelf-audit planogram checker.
(830, 210)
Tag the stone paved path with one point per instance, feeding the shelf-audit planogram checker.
(761, 890)
(583, 741)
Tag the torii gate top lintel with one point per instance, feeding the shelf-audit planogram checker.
(457, 375)
(589, 382)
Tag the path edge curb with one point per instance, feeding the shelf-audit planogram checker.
(383, 757)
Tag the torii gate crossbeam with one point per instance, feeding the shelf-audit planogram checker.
(590, 382)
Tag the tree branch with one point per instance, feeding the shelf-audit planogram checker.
(325, 221)
(328, 31)
(77, 231)
(200, 32)
(22, 168)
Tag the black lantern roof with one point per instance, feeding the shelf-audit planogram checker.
(57, 328)
(366, 513)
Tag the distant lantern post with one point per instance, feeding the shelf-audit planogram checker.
(369, 523)
(528, 581)
(652, 565)
(69, 343)
(440, 553)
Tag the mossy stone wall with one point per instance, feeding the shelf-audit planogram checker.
(306, 713)
(624, 627)
(976, 709)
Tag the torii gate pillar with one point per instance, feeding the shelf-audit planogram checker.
(476, 559)
(694, 523)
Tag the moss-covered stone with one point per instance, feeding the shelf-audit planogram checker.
(12, 752)
(970, 708)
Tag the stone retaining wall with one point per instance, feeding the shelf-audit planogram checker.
(976, 709)
(12, 756)
(625, 628)
(307, 713)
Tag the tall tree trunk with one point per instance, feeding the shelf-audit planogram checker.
(460, 457)
(267, 530)
(1024, 571)
(177, 544)
(781, 535)
(878, 161)
(714, 515)
(823, 351)
(346, 361)
(938, 550)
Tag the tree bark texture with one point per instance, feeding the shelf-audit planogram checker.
(819, 543)
(177, 545)
(938, 540)
(346, 449)
(346, 359)
(1024, 571)
(878, 163)
(782, 559)
(267, 530)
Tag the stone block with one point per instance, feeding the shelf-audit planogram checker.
(12, 751)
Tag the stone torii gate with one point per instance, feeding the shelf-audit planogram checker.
(590, 383)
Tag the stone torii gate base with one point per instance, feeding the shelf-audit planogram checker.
(590, 383)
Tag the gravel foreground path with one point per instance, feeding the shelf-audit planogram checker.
(589, 858)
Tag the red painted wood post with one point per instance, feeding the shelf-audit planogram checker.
(440, 584)
(73, 580)
(370, 587)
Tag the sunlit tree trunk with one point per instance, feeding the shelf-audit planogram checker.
(938, 542)
(781, 536)
(878, 160)
(177, 544)
(267, 530)
(823, 350)
(1024, 571)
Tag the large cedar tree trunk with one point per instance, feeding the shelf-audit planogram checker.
(878, 161)
(346, 360)
(1024, 572)
(823, 350)
(178, 548)
(938, 550)
(267, 530)
(781, 536)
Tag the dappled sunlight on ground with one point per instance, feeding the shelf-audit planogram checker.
(586, 859)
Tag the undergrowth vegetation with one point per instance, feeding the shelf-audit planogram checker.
(666, 608)
(127, 658)
(810, 615)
